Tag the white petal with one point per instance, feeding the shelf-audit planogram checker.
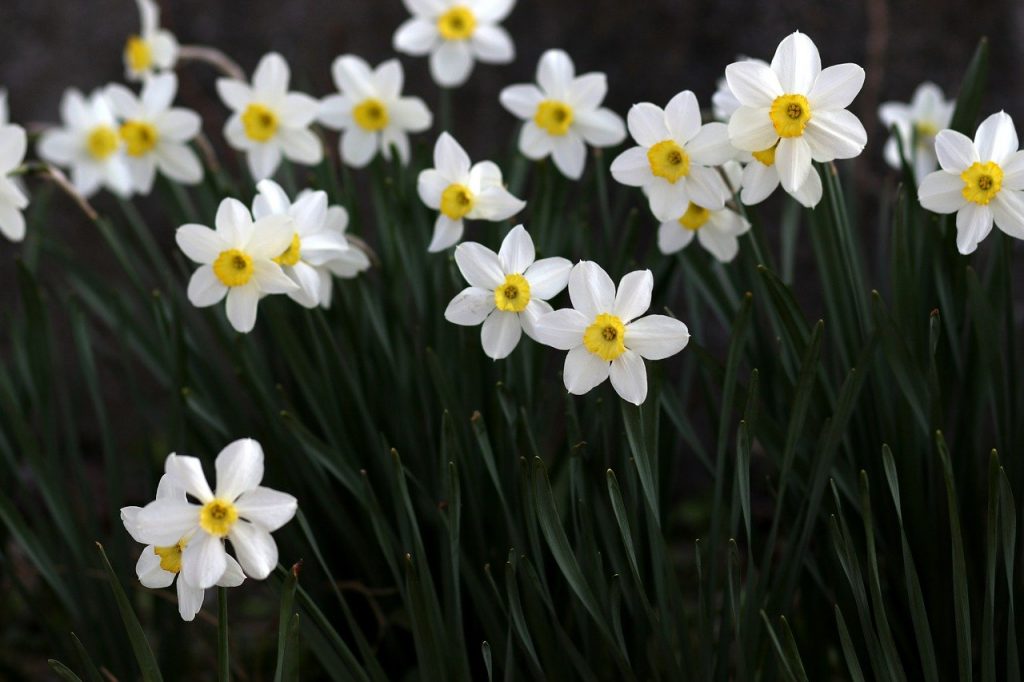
(241, 307)
(751, 129)
(973, 223)
(416, 37)
(809, 193)
(471, 306)
(493, 11)
(271, 76)
(555, 72)
(647, 124)
(310, 213)
(450, 159)
(535, 143)
(753, 83)
(190, 600)
(233, 575)
(722, 245)
(265, 507)
(447, 233)
(668, 200)
(793, 161)
(204, 289)
(199, 243)
(255, 549)
(188, 472)
(562, 329)
(235, 94)
(942, 192)
(164, 522)
(451, 63)
(600, 128)
(517, 251)
(591, 290)
(836, 87)
(358, 147)
(547, 277)
(797, 63)
(683, 116)
(711, 145)
(179, 163)
(159, 92)
(58, 146)
(13, 143)
(656, 337)
(203, 561)
(239, 468)
(1013, 171)
(411, 114)
(569, 154)
(629, 377)
(492, 45)
(431, 185)
(271, 236)
(500, 334)
(271, 279)
(494, 204)
(521, 100)
(996, 138)
(534, 310)
(835, 135)
(394, 140)
(479, 265)
(759, 181)
(586, 92)
(389, 78)
(297, 110)
(263, 160)
(955, 151)
(632, 167)
(148, 569)
(634, 295)
(706, 188)
(1008, 210)
(353, 77)
(301, 146)
(673, 237)
(335, 112)
(583, 371)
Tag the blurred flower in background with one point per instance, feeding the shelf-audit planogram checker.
(916, 125)
(153, 49)
(13, 199)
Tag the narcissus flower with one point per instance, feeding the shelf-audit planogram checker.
(563, 114)
(455, 33)
(603, 335)
(462, 191)
(311, 246)
(88, 144)
(508, 290)
(370, 111)
(345, 265)
(240, 510)
(157, 567)
(917, 124)
(269, 121)
(154, 49)
(981, 181)
(237, 261)
(716, 230)
(675, 157)
(12, 197)
(796, 111)
(154, 135)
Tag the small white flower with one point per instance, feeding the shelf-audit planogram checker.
(154, 49)
(88, 144)
(563, 114)
(797, 109)
(157, 567)
(156, 136)
(237, 261)
(508, 290)
(455, 33)
(676, 157)
(916, 124)
(460, 190)
(981, 181)
(268, 120)
(716, 230)
(603, 335)
(311, 246)
(345, 265)
(370, 111)
(12, 196)
(241, 510)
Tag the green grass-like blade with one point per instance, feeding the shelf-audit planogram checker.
(136, 636)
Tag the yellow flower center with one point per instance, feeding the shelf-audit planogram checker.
(554, 116)
(982, 182)
(513, 295)
(292, 254)
(102, 142)
(925, 130)
(138, 54)
(139, 137)
(260, 122)
(457, 201)
(668, 160)
(695, 217)
(790, 114)
(458, 23)
(233, 267)
(767, 156)
(606, 337)
(371, 115)
(170, 557)
(217, 517)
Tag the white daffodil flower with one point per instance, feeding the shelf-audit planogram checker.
(462, 191)
(981, 181)
(346, 264)
(796, 110)
(13, 200)
(916, 124)
(311, 246)
(153, 50)
(716, 230)
(370, 111)
(155, 135)
(157, 567)
(563, 114)
(269, 121)
(455, 33)
(508, 290)
(603, 335)
(241, 510)
(237, 261)
(88, 144)
(676, 156)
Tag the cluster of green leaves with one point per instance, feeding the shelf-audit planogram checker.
(465, 519)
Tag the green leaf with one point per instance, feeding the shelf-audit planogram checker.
(140, 646)
(961, 599)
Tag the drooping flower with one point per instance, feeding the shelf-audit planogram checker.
(462, 191)
(155, 135)
(676, 156)
(916, 124)
(603, 334)
(157, 567)
(982, 181)
(455, 33)
(716, 230)
(371, 112)
(240, 510)
(796, 111)
(88, 144)
(508, 291)
(237, 261)
(311, 245)
(269, 121)
(12, 196)
(154, 49)
(564, 114)
(345, 265)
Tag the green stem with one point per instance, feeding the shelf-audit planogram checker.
(223, 662)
